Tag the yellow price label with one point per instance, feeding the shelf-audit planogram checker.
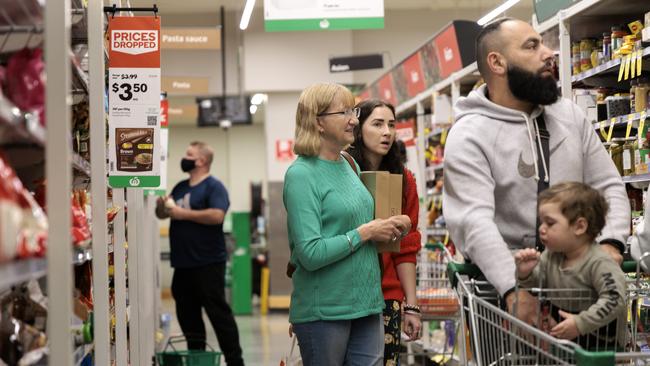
(643, 115)
(611, 129)
(446, 241)
(630, 120)
(602, 130)
(443, 137)
(627, 60)
(639, 62)
(641, 126)
(633, 58)
(621, 70)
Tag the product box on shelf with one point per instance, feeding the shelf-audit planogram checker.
(386, 189)
(586, 100)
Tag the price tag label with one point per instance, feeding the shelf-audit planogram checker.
(630, 122)
(621, 70)
(134, 121)
(639, 63)
(633, 58)
(611, 129)
(443, 136)
(641, 126)
(602, 130)
(627, 60)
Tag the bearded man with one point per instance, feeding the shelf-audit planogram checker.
(512, 138)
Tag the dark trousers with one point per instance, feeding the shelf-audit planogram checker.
(203, 287)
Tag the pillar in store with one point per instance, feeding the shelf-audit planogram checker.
(241, 288)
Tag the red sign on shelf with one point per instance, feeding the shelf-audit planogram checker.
(414, 75)
(448, 53)
(386, 90)
(405, 131)
(284, 150)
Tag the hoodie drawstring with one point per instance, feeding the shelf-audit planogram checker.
(532, 146)
(539, 142)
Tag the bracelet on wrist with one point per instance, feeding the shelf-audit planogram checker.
(411, 312)
(411, 307)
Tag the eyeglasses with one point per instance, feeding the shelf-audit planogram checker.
(348, 113)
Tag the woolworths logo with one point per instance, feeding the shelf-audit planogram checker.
(134, 182)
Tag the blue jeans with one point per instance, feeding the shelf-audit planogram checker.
(356, 342)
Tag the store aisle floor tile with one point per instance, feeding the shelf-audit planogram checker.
(264, 339)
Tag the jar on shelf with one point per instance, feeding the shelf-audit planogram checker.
(641, 95)
(616, 152)
(618, 32)
(607, 46)
(575, 57)
(628, 156)
(596, 54)
(586, 46)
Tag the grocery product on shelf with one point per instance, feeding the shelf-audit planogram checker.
(25, 81)
(23, 225)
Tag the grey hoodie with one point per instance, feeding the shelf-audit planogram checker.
(491, 172)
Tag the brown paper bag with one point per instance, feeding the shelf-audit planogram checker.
(386, 190)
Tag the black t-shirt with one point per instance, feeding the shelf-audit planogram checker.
(194, 244)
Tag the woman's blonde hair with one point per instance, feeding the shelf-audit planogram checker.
(313, 101)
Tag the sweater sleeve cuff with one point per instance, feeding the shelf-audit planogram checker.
(408, 258)
(355, 239)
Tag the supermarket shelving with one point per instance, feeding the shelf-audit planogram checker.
(20, 271)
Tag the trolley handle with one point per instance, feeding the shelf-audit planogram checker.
(467, 269)
(630, 266)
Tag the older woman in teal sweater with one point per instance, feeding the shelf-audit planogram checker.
(337, 301)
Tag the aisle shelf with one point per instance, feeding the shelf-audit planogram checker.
(81, 352)
(436, 231)
(622, 120)
(20, 271)
(642, 178)
(608, 67)
(582, 13)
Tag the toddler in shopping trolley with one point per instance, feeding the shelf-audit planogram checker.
(582, 288)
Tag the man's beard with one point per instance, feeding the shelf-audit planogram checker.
(532, 86)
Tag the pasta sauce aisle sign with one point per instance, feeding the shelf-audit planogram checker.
(134, 102)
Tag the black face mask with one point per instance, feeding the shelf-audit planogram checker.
(187, 165)
(532, 86)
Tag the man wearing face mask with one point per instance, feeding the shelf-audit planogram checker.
(197, 207)
(494, 168)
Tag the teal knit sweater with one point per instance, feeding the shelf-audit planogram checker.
(325, 200)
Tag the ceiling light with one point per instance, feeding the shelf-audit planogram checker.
(258, 99)
(253, 109)
(498, 10)
(246, 15)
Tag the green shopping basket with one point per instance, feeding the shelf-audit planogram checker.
(187, 357)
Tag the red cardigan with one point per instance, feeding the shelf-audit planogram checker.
(409, 246)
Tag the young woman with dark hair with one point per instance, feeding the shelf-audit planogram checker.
(374, 148)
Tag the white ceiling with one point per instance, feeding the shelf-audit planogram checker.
(212, 6)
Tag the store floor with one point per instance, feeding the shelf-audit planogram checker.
(264, 339)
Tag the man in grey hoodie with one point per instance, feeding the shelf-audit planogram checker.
(491, 158)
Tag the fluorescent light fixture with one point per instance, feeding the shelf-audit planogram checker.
(253, 109)
(258, 99)
(498, 10)
(246, 15)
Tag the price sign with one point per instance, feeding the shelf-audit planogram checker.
(134, 102)
(630, 120)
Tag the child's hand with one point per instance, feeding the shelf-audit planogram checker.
(567, 329)
(526, 260)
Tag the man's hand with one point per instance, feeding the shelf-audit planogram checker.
(613, 252)
(177, 213)
(523, 305)
(526, 260)
(567, 329)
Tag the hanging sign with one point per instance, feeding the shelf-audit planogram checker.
(134, 101)
(301, 15)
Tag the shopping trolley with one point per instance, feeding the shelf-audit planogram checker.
(496, 337)
(438, 303)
